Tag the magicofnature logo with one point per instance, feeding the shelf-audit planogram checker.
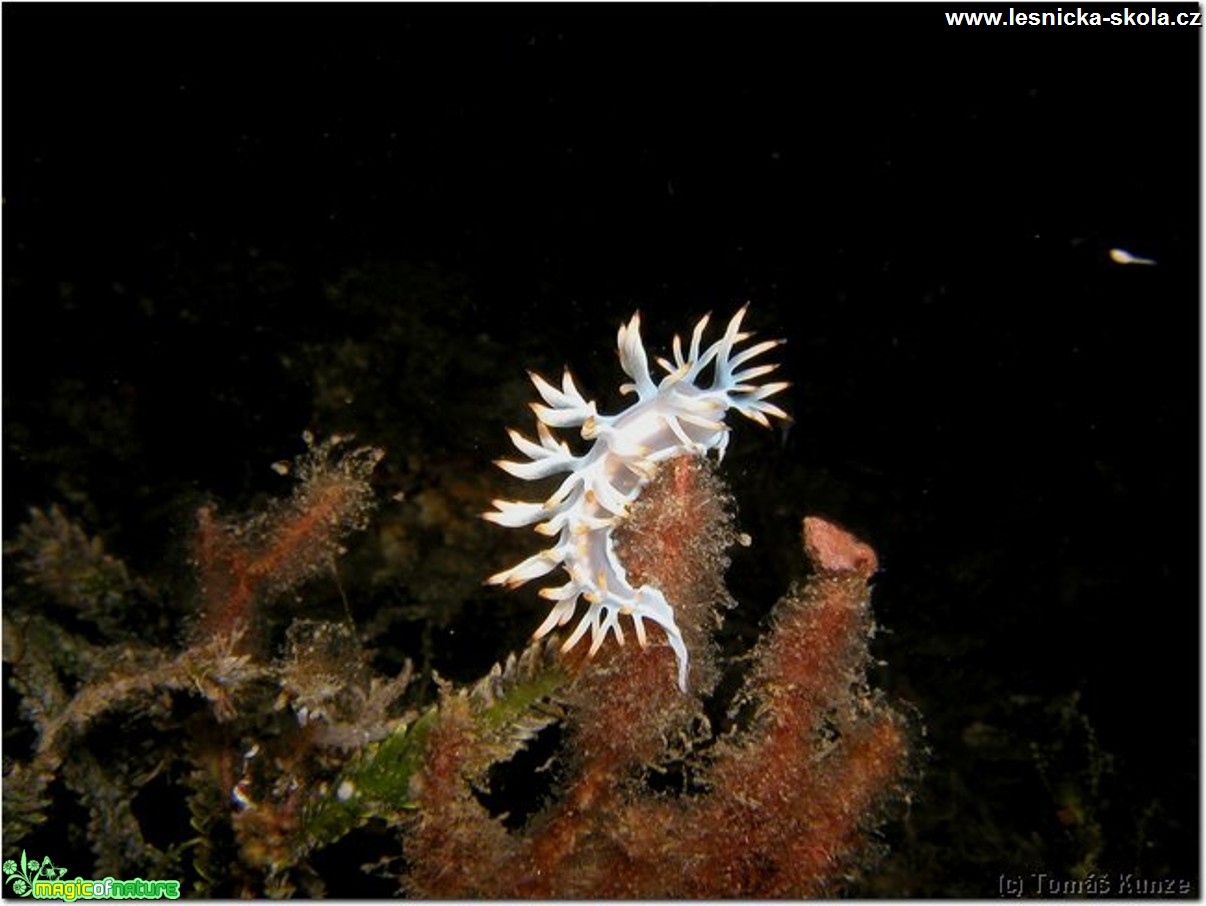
(44, 880)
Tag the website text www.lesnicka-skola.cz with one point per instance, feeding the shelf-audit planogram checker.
(1127, 16)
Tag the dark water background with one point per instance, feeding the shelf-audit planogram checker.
(925, 213)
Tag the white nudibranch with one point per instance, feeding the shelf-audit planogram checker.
(681, 416)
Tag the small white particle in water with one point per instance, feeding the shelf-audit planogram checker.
(1122, 256)
(346, 791)
(744, 540)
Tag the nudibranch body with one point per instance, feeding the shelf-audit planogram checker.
(682, 415)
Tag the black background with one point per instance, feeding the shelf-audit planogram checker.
(924, 212)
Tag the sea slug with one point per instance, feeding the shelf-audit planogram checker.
(680, 416)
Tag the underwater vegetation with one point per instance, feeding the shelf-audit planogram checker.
(282, 747)
(252, 726)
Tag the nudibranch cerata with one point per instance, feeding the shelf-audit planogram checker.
(683, 415)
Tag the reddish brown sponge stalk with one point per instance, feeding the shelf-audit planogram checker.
(243, 562)
(627, 699)
(785, 806)
(472, 847)
(798, 795)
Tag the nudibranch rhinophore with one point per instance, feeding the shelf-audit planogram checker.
(681, 416)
